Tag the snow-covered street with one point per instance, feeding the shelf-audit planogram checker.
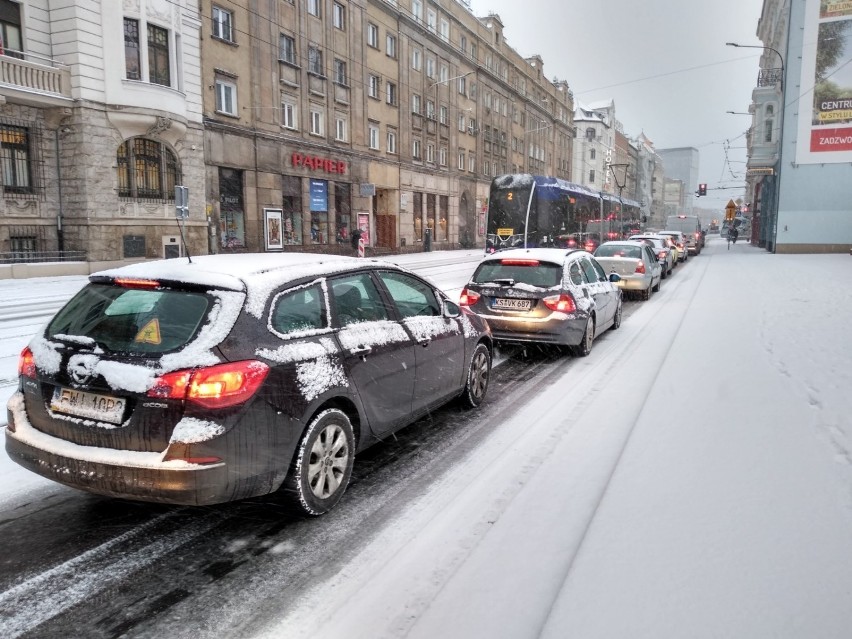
(691, 478)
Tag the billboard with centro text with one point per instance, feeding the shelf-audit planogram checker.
(825, 116)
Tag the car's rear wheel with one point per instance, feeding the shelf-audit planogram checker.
(477, 377)
(585, 346)
(659, 284)
(619, 311)
(646, 294)
(323, 464)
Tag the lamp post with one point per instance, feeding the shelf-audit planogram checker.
(773, 231)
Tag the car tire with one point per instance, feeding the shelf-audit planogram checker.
(659, 284)
(585, 346)
(478, 375)
(646, 294)
(323, 464)
(619, 312)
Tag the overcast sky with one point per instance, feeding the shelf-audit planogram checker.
(664, 63)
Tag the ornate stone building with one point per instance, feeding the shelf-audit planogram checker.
(101, 118)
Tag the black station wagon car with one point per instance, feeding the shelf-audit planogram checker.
(554, 296)
(225, 377)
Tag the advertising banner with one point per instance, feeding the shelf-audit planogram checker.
(825, 116)
(319, 195)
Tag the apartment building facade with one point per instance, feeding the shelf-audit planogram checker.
(100, 120)
(326, 116)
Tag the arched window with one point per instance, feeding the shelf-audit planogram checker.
(146, 170)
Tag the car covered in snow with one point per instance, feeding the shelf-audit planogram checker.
(545, 295)
(231, 376)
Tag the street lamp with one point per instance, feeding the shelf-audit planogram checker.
(738, 113)
(779, 164)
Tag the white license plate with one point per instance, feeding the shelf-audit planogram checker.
(511, 304)
(102, 408)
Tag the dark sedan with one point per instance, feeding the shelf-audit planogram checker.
(230, 376)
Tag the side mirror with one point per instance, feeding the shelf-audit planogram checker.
(451, 309)
(614, 277)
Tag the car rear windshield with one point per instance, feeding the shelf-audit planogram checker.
(541, 274)
(618, 251)
(130, 320)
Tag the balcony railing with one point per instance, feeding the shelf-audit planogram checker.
(769, 77)
(34, 74)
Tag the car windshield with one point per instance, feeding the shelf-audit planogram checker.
(130, 320)
(618, 250)
(534, 273)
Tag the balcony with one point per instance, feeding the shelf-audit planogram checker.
(31, 79)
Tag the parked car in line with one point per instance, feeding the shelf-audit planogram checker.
(553, 296)
(663, 247)
(230, 376)
(636, 264)
(680, 244)
(690, 226)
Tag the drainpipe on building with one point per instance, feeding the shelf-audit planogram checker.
(60, 233)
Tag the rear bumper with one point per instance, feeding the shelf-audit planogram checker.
(125, 474)
(566, 332)
(628, 283)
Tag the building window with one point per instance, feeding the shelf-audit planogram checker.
(146, 170)
(430, 109)
(291, 205)
(315, 61)
(340, 72)
(314, 7)
(15, 159)
(461, 160)
(430, 153)
(591, 154)
(444, 73)
(287, 49)
(390, 45)
(463, 44)
(416, 59)
(159, 71)
(343, 207)
(473, 50)
(340, 129)
(374, 136)
(442, 156)
(223, 21)
(391, 141)
(417, 10)
(226, 97)
(288, 115)
(430, 67)
(471, 163)
(373, 86)
(431, 20)
(463, 85)
(339, 16)
(416, 104)
(591, 176)
(445, 114)
(415, 149)
(10, 29)
(391, 93)
(445, 30)
(372, 35)
(461, 121)
(132, 61)
(316, 122)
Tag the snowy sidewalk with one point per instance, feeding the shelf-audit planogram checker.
(691, 478)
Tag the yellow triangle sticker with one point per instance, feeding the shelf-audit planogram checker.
(150, 333)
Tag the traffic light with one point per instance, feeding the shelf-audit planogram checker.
(702, 189)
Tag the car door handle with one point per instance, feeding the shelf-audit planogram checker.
(362, 350)
(424, 342)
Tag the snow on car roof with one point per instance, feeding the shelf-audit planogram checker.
(257, 274)
(555, 255)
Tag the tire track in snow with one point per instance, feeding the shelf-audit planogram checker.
(52, 592)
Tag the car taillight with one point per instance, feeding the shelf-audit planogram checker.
(518, 261)
(560, 303)
(217, 386)
(26, 364)
(661, 255)
(640, 267)
(468, 297)
(133, 282)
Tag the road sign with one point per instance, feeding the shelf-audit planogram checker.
(730, 211)
(182, 202)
